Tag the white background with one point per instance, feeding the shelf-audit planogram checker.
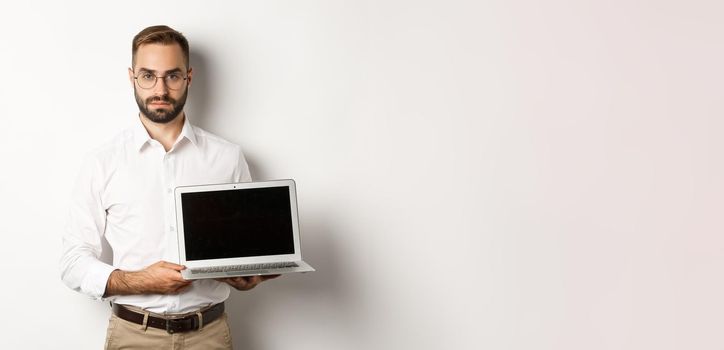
(472, 175)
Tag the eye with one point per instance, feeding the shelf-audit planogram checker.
(173, 77)
(147, 76)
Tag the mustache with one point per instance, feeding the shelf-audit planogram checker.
(160, 99)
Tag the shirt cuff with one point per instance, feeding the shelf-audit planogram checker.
(95, 281)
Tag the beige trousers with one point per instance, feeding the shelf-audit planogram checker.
(122, 334)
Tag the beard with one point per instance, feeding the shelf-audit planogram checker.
(160, 115)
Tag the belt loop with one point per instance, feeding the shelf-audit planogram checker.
(144, 326)
(201, 319)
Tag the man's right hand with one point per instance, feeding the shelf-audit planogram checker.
(160, 278)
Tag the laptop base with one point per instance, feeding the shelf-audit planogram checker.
(190, 274)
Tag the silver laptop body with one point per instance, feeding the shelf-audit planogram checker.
(239, 229)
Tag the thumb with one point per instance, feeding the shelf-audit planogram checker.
(173, 266)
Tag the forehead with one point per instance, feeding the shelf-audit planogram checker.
(160, 57)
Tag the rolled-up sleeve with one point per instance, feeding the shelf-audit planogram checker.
(80, 267)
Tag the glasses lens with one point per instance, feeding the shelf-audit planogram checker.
(174, 81)
(146, 80)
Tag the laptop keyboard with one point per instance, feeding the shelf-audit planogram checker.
(279, 265)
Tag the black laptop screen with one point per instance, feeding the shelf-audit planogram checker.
(237, 223)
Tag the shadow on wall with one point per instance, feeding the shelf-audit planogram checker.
(200, 96)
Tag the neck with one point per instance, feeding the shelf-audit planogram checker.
(166, 133)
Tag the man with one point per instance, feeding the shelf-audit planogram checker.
(125, 193)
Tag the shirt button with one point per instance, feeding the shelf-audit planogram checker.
(168, 190)
(172, 228)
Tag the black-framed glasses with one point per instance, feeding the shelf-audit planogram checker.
(147, 80)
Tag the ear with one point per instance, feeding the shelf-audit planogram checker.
(130, 77)
(190, 76)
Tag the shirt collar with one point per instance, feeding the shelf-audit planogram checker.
(188, 131)
(141, 136)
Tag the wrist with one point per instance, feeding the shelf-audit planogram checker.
(124, 283)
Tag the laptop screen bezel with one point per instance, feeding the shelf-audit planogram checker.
(290, 184)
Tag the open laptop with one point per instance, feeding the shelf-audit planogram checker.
(239, 229)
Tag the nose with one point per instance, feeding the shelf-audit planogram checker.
(160, 87)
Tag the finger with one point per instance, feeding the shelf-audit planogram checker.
(244, 281)
(170, 265)
(245, 285)
(177, 277)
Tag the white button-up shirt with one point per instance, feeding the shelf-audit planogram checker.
(125, 193)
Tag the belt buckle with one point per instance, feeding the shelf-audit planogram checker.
(169, 330)
(181, 322)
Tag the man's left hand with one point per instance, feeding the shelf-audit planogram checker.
(246, 282)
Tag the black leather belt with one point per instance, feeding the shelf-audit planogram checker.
(171, 324)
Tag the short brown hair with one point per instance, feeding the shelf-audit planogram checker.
(160, 35)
